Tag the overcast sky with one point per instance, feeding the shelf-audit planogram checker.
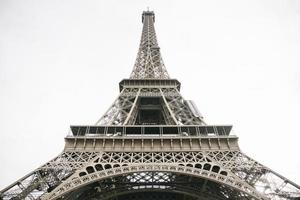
(61, 61)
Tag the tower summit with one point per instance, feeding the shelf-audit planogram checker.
(149, 64)
(151, 144)
(149, 96)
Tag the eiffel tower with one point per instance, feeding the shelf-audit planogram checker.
(151, 144)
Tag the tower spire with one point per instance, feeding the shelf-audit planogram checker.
(149, 63)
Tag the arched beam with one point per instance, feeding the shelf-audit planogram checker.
(186, 193)
(76, 182)
(160, 182)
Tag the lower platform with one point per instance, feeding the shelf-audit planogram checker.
(151, 143)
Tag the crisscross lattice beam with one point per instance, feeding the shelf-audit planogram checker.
(149, 64)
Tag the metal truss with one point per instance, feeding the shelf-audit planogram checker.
(111, 165)
(47, 177)
(121, 110)
(178, 158)
(179, 109)
(125, 108)
(149, 64)
(232, 172)
(159, 183)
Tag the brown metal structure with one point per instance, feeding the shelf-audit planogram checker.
(151, 144)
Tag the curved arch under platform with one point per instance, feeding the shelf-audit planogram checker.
(154, 195)
(184, 181)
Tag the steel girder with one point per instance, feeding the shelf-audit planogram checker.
(155, 182)
(149, 63)
(122, 108)
(223, 173)
(125, 108)
(73, 170)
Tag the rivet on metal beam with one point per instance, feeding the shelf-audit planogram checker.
(228, 143)
(75, 142)
(200, 143)
(94, 143)
(103, 143)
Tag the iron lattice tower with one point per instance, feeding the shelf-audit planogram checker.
(151, 144)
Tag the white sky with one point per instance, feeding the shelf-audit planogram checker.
(61, 61)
